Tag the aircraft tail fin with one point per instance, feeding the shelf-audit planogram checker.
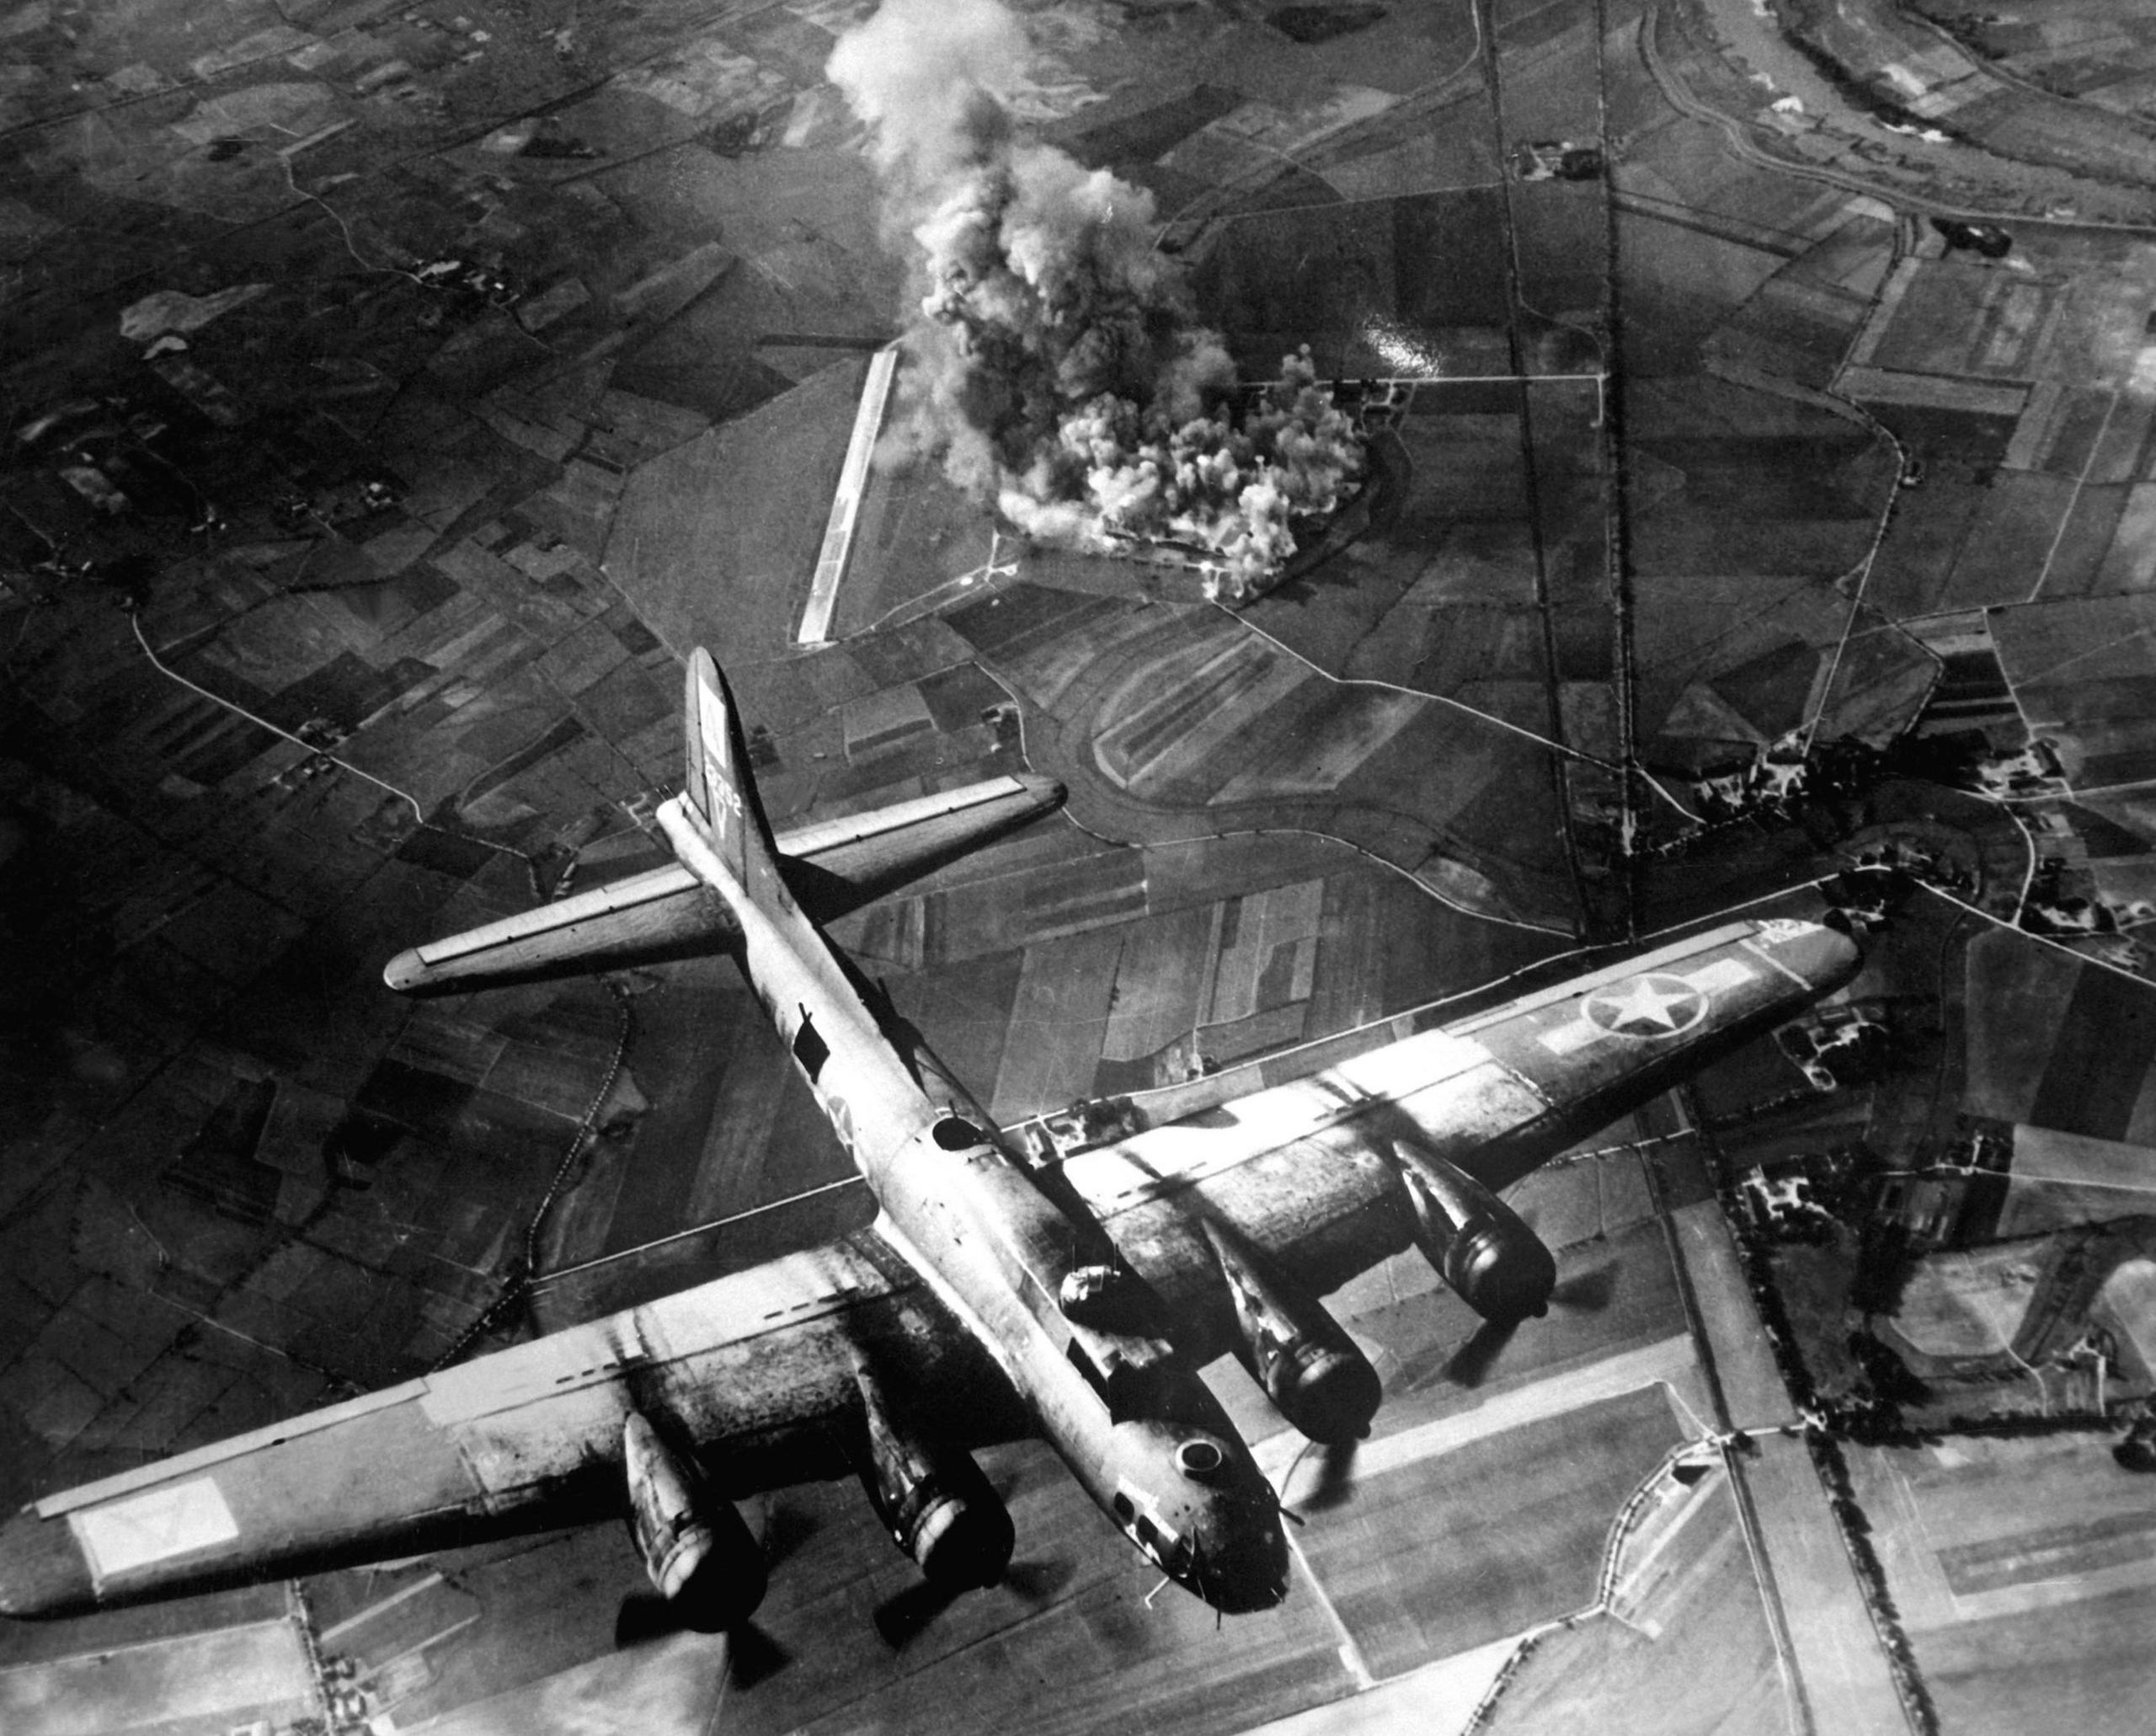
(720, 786)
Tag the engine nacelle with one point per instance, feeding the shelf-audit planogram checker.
(1303, 1358)
(931, 1497)
(701, 1555)
(1492, 1261)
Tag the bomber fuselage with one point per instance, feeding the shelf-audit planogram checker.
(1135, 1425)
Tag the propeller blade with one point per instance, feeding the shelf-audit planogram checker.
(1038, 1582)
(1471, 1364)
(1590, 1291)
(904, 1618)
(642, 1617)
(645, 1617)
(753, 1656)
(1419, 1370)
(1336, 1474)
(786, 1528)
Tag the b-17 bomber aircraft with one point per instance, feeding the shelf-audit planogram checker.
(999, 1292)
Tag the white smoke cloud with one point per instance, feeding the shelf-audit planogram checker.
(926, 75)
(1060, 367)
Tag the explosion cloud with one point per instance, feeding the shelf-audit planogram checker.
(1060, 369)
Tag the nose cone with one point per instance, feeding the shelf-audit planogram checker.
(1240, 1563)
(1184, 1487)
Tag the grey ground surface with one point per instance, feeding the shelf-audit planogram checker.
(425, 380)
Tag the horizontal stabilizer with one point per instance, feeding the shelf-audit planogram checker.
(832, 867)
(646, 919)
(837, 866)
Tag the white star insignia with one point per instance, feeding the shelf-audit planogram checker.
(1651, 1005)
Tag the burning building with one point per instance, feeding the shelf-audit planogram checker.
(1060, 370)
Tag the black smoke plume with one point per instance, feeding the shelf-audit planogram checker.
(1059, 369)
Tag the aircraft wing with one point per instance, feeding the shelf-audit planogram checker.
(1308, 1172)
(833, 866)
(757, 1369)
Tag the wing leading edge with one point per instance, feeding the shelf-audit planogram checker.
(1308, 1172)
(761, 1369)
(758, 1369)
